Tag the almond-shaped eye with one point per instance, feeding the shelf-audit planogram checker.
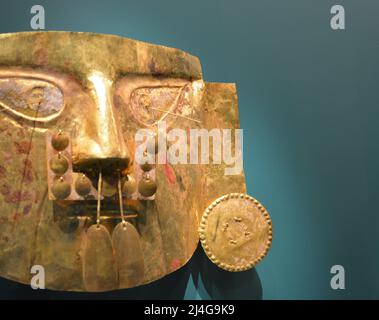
(151, 104)
(30, 98)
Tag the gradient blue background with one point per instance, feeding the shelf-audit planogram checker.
(308, 101)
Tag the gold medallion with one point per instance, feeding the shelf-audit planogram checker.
(236, 232)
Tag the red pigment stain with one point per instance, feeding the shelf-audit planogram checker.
(169, 173)
(28, 177)
(118, 101)
(17, 196)
(7, 157)
(175, 264)
(16, 217)
(36, 198)
(21, 134)
(3, 128)
(27, 209)
(41, 57)
(188, 130)
(22, 147)
(28, 173)
(154, 68)
(2, 172)
(4, 189)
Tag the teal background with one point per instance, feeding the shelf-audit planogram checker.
(308, 101)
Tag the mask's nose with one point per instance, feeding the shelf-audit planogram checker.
(98, 139)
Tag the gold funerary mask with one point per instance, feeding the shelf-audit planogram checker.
(73, 197)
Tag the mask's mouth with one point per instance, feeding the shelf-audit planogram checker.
(110, 209)
(111, 206)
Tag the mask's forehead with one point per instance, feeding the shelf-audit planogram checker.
(80, 53)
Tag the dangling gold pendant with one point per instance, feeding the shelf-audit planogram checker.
(129, 256)
(99, 266)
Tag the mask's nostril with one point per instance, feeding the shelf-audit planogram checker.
(110, 169)
(108, 166)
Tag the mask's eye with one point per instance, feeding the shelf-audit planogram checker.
(30, 98)
(151, 104)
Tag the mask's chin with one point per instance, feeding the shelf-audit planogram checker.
(87, 208)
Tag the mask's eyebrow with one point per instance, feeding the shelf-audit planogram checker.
(174, 114)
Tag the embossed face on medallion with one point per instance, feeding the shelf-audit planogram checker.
(236, 232)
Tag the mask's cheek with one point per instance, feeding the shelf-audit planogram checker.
(22, 196)
(168, 225)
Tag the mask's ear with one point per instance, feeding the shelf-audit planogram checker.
(220, 111)
(235, 229)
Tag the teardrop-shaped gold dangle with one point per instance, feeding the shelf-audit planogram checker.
(146, 167)
(147, 186)
(129, 256)
(127, 249)
(61, 189)
(130, 185)
(59, 164)
(60, 141)
(99, 267)
(83, 185)
(109, 189)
